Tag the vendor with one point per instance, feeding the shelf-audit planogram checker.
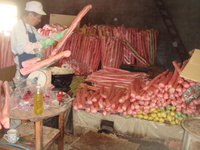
(25, 38)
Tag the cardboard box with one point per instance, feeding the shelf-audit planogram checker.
(192, 69)
(64, 20)
(8, 73)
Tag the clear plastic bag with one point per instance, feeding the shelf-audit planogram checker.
(22, 96)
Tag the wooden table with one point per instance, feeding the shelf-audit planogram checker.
(33, 130)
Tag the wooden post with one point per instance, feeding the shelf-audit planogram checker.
(61, 140)
(39, 135)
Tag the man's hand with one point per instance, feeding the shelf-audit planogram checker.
(46, 42)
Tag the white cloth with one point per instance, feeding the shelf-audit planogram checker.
(20, 42)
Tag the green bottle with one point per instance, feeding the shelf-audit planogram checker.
(38, 101)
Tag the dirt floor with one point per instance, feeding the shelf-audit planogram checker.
(100, 141)
(84, 139)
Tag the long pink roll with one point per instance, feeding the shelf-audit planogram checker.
(30, 62)
(1, 82)
(71, 28)
(38, 65)
(5, 114)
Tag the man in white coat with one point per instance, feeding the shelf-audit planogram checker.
(25, 38)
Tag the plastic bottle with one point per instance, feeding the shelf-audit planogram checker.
(38, 101)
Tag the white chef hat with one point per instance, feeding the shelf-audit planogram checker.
(35, 6)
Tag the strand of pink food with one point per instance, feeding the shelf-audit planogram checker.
(38, 65)
(5, 114)
(30, 62)
(176, 66)
(1, 82)
(71, 28)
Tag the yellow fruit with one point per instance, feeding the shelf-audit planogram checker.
(153, 115)
(152, 109)
(173, 122)
(173, 108)
(144, 113)
(173, 118)
(155, 111)
(150, 118)
(172, 113)
(145, 117)
(156, 119)
(161, 120)
(140, 116)
(169, 118)
(163, 114)
(159, 114)
(140, 112)
(177, 121)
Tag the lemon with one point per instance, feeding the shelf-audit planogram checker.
(140, 112)
(172, 113)
(150, 118)
(153, 115)
(169, 118)
(164, 114)
(155, 111)
(156, 119)
(161, 120)
(144, 113)
(140, 116)
(145, 117)
(173, 122)
(177, 121)
(162, 108)
(159, 114)
(152, 109)
(173, 108)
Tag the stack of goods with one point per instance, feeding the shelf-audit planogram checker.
(49, 29)
(111, 47)
(139, 44)
(100, 45)
(134, 94)
(96, 53)
(85, 53)
(6, 57)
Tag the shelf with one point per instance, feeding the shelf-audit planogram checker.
(37, 136)
(27, 132)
